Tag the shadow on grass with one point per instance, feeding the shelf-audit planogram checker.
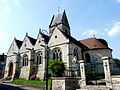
(8, 87)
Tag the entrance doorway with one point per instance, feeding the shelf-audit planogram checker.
(10, 69)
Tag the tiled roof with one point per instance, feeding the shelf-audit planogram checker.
(32, 40)
(93, 43)
(19, 43)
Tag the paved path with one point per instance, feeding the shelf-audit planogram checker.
(8, 86)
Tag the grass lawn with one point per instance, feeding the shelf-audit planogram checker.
(35, 82)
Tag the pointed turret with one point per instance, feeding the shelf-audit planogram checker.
(61, 22)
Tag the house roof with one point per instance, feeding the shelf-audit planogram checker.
(18, 42)
(32, 40)
(93, 43)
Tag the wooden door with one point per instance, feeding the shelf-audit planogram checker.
(11, 69)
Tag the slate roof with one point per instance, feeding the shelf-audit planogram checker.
(19, 43)
(32, 40)
(60, 18)
(74, 40)
(46, 38)
(93, 43)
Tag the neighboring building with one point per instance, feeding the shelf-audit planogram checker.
(2, 64)
(28, 57)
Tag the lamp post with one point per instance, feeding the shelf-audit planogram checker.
(46, 48)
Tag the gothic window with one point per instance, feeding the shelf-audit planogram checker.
(39, 58)
(87, 57)
(25, 60)
(75, 53)
(57, 54)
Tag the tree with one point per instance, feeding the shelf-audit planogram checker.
(117, 61)
(56, 68)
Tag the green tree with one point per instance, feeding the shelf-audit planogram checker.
(56, 68)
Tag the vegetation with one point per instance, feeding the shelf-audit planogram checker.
(117, 61)
(35, 82)
(103, 41)
(56, 68)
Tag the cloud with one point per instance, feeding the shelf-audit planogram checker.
(90, 32)
(2, 35)
(115, 30)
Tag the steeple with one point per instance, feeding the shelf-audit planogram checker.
(61, 22)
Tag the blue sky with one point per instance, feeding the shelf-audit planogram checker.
(86, 18)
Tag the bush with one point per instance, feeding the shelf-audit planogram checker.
(8, 78)
(33, 77)
(37, 78)
(56, 68)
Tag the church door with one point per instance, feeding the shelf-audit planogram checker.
(10, 69)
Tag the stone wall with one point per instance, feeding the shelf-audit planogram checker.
(116, 82)
(65, 83)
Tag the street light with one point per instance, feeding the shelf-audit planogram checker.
(46, 48)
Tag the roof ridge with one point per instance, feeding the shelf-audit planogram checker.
(32, 40)
(18, 43)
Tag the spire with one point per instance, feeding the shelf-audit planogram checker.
(60, 20)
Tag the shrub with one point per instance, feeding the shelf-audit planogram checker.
(37, 78)
(56, 68)
(33, 77)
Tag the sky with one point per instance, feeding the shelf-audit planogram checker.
(86, 18)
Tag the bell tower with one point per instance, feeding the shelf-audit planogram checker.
(61, 22)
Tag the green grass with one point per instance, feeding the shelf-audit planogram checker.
(35, 82)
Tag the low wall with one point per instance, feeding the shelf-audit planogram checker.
(116, 82)
(65, 83)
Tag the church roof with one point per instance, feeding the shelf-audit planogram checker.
(46, 38)
(93, 43)
(18, 43)
(32, 40)
(60, 18)
(74, 40)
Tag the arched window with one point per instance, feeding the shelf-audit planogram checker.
(25, 60)
(75, 53)
(87, 57)
(57, 54)
(39, 58)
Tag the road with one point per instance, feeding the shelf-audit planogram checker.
(7, 86)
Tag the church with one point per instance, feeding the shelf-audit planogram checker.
(28, 57)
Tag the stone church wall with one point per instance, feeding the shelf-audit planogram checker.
(95, 58)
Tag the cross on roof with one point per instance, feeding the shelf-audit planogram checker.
(58, 9)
